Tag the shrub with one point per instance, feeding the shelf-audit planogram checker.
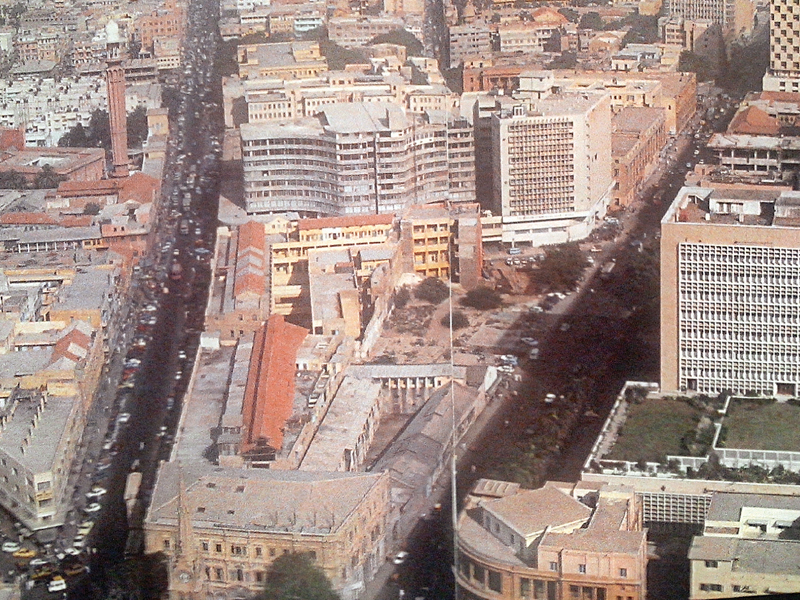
(482, 298)
(460, 320)
(432, 290)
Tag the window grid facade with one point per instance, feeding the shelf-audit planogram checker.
(739, 318)
(674, 508)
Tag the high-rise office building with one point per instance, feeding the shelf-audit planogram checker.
(730, 291)
(783, 74)
(552, 163)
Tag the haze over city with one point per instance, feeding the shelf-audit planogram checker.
(399, 299)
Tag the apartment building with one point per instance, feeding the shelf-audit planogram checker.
(552, 164)
(729, 289)
(273, 100)
(353, 32)
(355, 158)
(167, 22)
(735, 16)
(748, 547)
(783, 73)
(290, 60)
(469, 40)
(439, 240)
(558, 541)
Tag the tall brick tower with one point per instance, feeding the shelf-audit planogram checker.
(117, 116)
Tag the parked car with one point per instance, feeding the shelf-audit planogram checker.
(57, 584)
(24, 553)
(93, 507)
(400, 557)
(10, 547)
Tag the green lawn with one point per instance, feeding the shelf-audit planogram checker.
(654, 429)
(763, 427)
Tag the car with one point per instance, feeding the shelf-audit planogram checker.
(38, 562)
(24, 553)
(530, 341)
(56, 584)
(96, 492)
(400, 557)
(85, 528)
(505, 369)
(550, 398)
(10, 547)
(42, 573)
(79, 542)
(123, 417)
(93, 507)
(75, 569)
(72, 551)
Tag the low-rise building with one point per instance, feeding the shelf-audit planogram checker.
(558, 541)
(290, 60)
(638, 137)
(747, 547)
(221, 529)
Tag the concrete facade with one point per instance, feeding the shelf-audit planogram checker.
(729, 283)
(552, 166)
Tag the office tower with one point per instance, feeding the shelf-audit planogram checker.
(552, 164)
(730, 286)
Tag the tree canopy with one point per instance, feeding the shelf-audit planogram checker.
(482, 298)
(561, 268)
(432, 290)
(591, 20)
(98, 133)
(401, 37)
(294, 576)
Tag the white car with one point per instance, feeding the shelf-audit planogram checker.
(38, 562)
(93, 507)
(505, 369)
(96, 492)
(10, 547)
(57, 584)
(400, 557)
(123, 417)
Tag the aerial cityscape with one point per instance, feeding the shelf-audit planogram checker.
(399, 299)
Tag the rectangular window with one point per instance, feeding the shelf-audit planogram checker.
(166, 544)
(258, 551)
(623, 572)
(218, 547)
(711, 564)
(478, 573)
(495, 582)
(205, 546)
(575, 591)
(553, 566)
(581, 568)
(524, 587)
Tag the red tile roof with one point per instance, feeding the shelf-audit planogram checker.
(354, 221)
(250, 276)
(26, 218)
(269, 392)
(753, 120)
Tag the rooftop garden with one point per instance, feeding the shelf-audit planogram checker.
(761, 424)
(657, 427)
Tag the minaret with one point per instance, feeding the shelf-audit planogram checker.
(117, 116)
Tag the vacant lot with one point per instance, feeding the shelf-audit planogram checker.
(653, 429)
(758, 426)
